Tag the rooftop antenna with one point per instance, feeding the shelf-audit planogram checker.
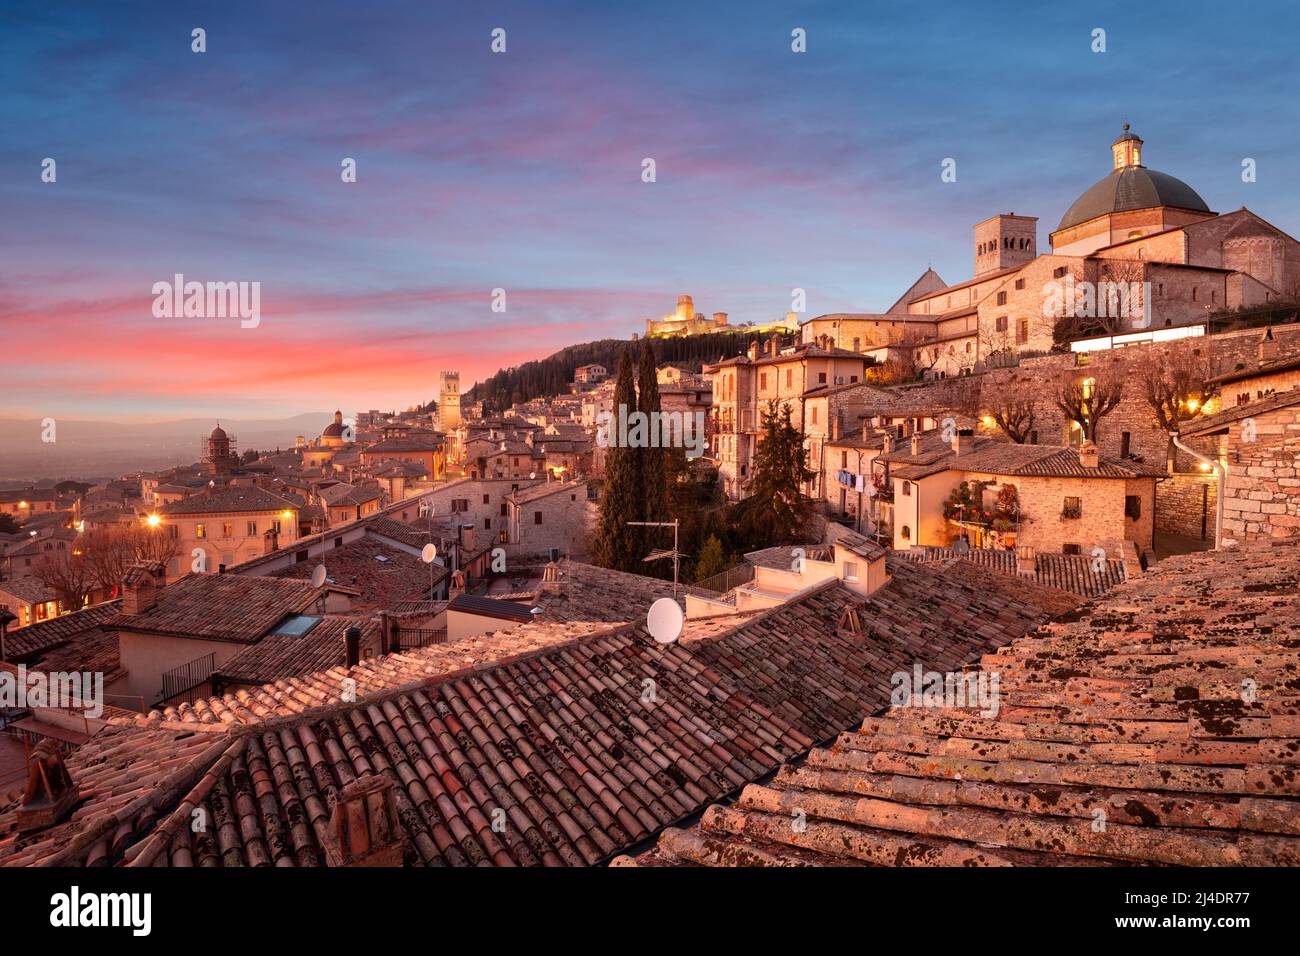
(429, 554)
(660, 555)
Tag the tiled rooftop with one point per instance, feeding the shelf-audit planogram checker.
(383, 573)
(224, 607)
(43, 636)
(279, 656)
(586, 744)
(232, 499)
(1076, 573)
(1157, 726)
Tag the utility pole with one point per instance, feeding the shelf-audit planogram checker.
(658, 555)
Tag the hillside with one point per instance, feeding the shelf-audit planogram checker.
(552, 375)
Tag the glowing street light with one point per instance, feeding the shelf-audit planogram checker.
(153, 521)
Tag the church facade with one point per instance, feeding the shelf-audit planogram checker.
(1138, 252)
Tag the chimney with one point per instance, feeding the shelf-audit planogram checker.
(1267, 347)
(352, 647)
(835, 427)
(866, 428)
(140, 587)
(364, 828)
(907, 427)
(551, 578)
(1088, 456)
(1026, 561)
(753, 350)
(390, 637)
(888, 446)
(916, 444)
(50, 794)
(963, 441)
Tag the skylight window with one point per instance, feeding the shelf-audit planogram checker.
(296, 625)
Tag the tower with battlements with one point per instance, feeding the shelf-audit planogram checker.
(449, 416)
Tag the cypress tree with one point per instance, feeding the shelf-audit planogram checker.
(654, 496)
(618, 546)
(654, 488)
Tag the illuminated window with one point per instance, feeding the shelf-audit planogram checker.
(200, 531)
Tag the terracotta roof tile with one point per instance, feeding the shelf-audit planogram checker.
(224, 606)
(582, 748)
(1155, 726)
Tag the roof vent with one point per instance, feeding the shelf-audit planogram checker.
(50, 793)
(364, 828)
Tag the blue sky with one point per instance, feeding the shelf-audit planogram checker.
(522, 171)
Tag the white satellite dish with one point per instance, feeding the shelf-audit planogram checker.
(665, 620)
(429, 554)
(318, 576)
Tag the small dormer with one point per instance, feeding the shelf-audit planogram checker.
(860, 564)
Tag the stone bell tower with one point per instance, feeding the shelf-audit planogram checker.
(449, 417)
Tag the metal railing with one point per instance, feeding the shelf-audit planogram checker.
(183, 682)
(409, 638)
(724, 582)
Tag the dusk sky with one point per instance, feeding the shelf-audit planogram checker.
(522, 170)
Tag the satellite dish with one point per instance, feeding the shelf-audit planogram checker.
(665, 620)
(318, 576)
(429, 554)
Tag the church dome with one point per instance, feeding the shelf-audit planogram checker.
(1131, 186)
(218, 434)
(335, 428)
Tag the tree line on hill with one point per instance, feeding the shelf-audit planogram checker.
(551, 376)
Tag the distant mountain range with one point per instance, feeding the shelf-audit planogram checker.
(88, 450)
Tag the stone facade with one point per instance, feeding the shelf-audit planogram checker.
(1187, 503)
(553, 515)
(1262, 489)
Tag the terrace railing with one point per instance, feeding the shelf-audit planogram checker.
(188, 682)
(732, 578)
(409, 638)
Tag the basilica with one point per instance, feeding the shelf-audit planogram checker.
(1135, 229)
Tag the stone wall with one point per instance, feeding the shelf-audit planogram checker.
(1262, 491)
(1182, 499)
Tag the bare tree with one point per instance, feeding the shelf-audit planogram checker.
(1107, 307)
(1175, 383)
(110, 551)
(68, 575)
(1013, 406)
(155, 545)
(1086, 399)
(107, 553)
(907, 360)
